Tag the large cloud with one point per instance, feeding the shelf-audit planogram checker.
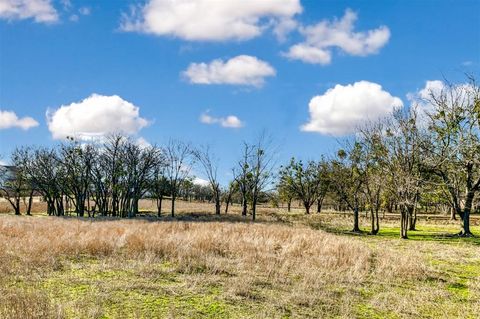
(321, 38)
(210, 20)
(340, 110)
(9, 119)
(230, 121)
(240, 70)
(39, 10)
(95, 116)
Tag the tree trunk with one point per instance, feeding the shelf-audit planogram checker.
(244, 207)
(289, 205)
(30, 200)
(465, 232)
(319, 205)
(173, 205)
(412, 217)
(404, 222)
(17, 206)
(374, 221)
(217, 203)
(227, 204)
(134, 207)
(356, 227)
(307, 209)
(159, 205)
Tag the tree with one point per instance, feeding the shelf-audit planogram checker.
(42, 168)
(232, 189)
(11, 186)
(178, 165)
(77, 161)
(140, 163)
(454, 148)
(285, 192)
(303, 181)
(324, 176)
(159, 186)
(243, 175)
(209, 165)
(371, 154)
(114, 166)
(261, 163)
(404, 163)
(347, 179)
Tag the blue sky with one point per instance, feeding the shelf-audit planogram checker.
(66, 51)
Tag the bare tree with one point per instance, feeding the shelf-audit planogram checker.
(44, 172)
(209, 165)
(403, 165)
(242, 174)
(371, 166)
(262, 165)
(159, 186)
(112, 158)
(11, 186)
(140, 163)
(77, 161)
(178, 165)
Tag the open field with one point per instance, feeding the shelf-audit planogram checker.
(205, 266)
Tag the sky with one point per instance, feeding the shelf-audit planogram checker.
(220, 72)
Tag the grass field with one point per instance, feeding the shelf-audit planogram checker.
(286, 265)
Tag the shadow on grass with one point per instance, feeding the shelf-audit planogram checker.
(198, 217)
(427, 234)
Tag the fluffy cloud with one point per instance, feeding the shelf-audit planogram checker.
(340, 110)
(39, 10)
(309, 54)
(321, 38)
(95, 116)
(240, 70)
(200, 181)
(209, 20)
(9, 119)
(230, 121)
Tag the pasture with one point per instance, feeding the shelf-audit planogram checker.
(198, 265)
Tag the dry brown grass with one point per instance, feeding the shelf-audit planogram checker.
(216, 247)
(260, 270)
(301, 260)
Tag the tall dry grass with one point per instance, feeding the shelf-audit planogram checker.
(213, 247)
(299, 265)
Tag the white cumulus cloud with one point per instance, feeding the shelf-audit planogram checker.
(230, 121)
(209, 20)
(323, 37)
(341, 109)
(39, 10)
(9, 119)
(95, 116)
(240, 70)
(200, 181)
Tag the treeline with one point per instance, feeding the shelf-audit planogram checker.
(108, 178)
(428, 154)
